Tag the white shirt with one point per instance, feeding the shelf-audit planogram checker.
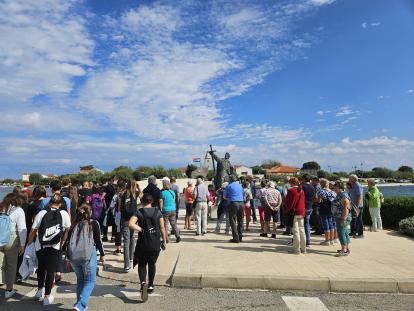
(38, 220)
(18, 223)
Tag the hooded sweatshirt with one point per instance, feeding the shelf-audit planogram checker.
(373, 198)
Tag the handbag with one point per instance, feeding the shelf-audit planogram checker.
(291, 214)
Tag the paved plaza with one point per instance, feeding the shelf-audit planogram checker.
(380, 262)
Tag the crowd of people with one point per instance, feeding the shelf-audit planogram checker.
(52, 233)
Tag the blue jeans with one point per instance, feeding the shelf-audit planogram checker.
(253, 209)
(357, 224)
(307, 225)
(328, 222)
(86, 278)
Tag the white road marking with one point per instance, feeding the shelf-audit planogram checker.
(104, 291)
(304, 303)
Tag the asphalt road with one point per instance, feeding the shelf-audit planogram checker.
(110, 295)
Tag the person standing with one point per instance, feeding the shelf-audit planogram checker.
(222, 210)
(356, 194)
(149, 222)
(252, 185)
(340, 210)
(13, 233)
(65, 205)
(50, 230)
(247, 194)
(154, 191)
(373, 198)
(110, 191)
(84, 241)
(295, 206)
(325, 196)
(129, 207)
(168, 209)
(234, 195)
(189, 203)
(315, 217)
(200, 195)
(176, 189)
(309, 191)
(272, 200)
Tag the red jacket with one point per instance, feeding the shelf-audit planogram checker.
(293, 201)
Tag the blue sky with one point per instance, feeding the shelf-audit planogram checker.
(155, 82)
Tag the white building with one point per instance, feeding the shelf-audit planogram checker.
(242, 170)
(26, 176)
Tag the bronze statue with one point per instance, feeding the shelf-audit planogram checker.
(223, 171)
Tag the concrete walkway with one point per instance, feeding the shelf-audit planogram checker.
(381, 262)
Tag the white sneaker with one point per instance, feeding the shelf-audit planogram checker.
(336, 241)
(39, 294)
(326, 243)
(9, 293)
(48, 300)
(331, 242)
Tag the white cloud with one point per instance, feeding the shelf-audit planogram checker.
(344, 111)
(365, 25)
(66, 154)
(321, 2)
(410, 91)
(163, 81)
(44, 45)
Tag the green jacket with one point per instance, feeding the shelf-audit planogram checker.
(373, 198)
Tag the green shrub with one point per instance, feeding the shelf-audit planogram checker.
(407, 226)
(393, 210)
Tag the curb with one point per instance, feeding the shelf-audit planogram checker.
(131, 277)
(322, 284)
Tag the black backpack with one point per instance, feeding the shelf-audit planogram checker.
(129, 207)
(51, 229)
(151, 236)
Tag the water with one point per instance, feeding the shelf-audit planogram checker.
(388, 191)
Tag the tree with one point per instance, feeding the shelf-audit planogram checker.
(323, 174)
(406, 168)
(382, 172)
(123, 172)
(403, 175)
(266, 164)
(35, 178)
(258, 170)
(159, 171)
(8, 181)
(312, 165)
(190, 169)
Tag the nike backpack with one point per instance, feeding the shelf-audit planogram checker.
(51, 229)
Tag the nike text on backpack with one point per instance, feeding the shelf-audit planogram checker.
(51, 229)
(5, 228)
(97, 205)
(151, 232)
(81, 243)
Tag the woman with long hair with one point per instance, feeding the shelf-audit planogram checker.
(84, 240)
(149, 222)
(11, 213)
(295, 208)
(74, 201)
(50, 230)
(129, 207)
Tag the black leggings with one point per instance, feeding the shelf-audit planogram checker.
(48, 260)
(150, 259)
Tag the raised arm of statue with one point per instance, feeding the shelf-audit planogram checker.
(215, 157)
